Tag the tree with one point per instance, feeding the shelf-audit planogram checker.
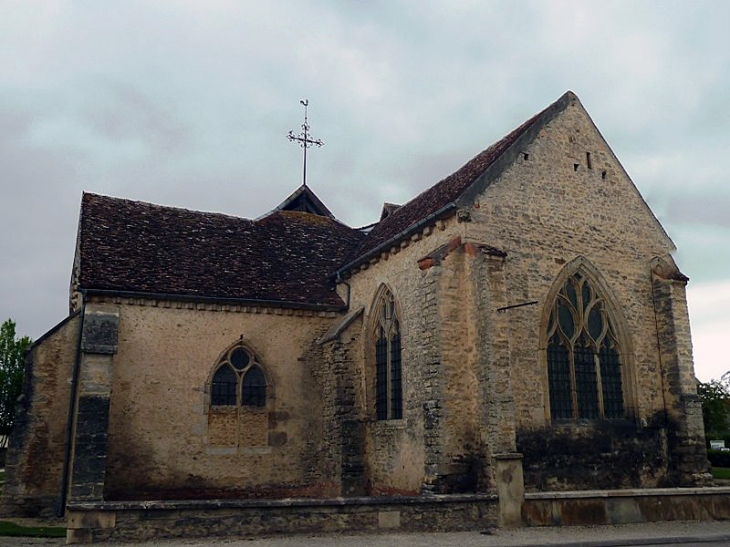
(12, 357)
(715, 397)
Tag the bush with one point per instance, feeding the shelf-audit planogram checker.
(719, 458)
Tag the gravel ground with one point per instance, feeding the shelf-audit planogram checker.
(625, 534)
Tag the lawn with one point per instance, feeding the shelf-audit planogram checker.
(721, 472)
(16, 530)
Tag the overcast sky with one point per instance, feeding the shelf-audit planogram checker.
(187, 103)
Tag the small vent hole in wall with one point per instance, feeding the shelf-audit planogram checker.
(603, 174)
(575, 166)
(588, 160)
(525, 156)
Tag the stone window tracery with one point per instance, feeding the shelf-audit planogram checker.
(388, 363)
(241, 398)
(583, 356)
(238, 380)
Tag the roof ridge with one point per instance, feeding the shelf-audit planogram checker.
(151, 205)
(133, 247)
(304, 192)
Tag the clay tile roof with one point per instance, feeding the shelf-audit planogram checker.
(447, 191)
(131, 246)
(388, 209)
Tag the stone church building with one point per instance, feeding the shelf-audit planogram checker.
(525, 309)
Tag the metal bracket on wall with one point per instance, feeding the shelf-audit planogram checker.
(505, 308)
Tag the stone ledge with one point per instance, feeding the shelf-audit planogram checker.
(628, 493)
(286, 502)
(150, 520)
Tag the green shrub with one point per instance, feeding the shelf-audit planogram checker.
(16, 530)
(719, 458)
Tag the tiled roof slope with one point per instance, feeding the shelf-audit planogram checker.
(448, 190)
(303, 199)
(139, 247)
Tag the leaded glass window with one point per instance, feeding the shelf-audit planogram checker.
(253, 388)
(238, 380)
(223, 389)
(388, 364)
(583, 356)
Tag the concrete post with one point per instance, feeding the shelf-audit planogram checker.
(510, 487)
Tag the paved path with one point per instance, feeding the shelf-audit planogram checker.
(717, 533)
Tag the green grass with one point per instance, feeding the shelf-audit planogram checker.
(15, 530)
(721, 472)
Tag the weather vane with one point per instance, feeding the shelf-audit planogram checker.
(304, 140)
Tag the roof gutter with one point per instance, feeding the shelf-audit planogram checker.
(389, 243)
(215, 300)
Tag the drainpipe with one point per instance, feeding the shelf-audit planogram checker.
(65, 477)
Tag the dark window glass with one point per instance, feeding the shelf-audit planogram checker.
(576, 365)
(396, 391)
(595, 322)
(223, 388)
(561, 398)
(388, 361)
(586, 384)
(586, 296)
(570, 291)
(239, 358)
(381, 376)
(613, 399)
(253, 390)
(567, 325)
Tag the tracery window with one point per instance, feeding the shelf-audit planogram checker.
(238, 380)
(583, 356)
(388, 365)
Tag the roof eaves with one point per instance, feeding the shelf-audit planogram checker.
(213, 299)
(442, 213)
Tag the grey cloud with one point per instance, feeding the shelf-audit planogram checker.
(189, 104)
(708, 211)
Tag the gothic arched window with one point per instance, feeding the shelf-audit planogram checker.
(238, 380)
(583, 356)
(388, 367)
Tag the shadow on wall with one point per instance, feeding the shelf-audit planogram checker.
(604, 455)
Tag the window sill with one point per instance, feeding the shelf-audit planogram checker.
(399, 423)
(236, 450)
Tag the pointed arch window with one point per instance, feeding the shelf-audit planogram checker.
(238, 380)
(583, 356)
(388, 364)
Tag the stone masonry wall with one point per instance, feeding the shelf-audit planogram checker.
(462, 465)
(564, 198)
(161, 442)
(686, 436)
(494, 344)
(403, 456)
(36, 452)
(341, 381)
(242, 519)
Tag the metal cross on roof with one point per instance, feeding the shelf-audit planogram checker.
(304, 140)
